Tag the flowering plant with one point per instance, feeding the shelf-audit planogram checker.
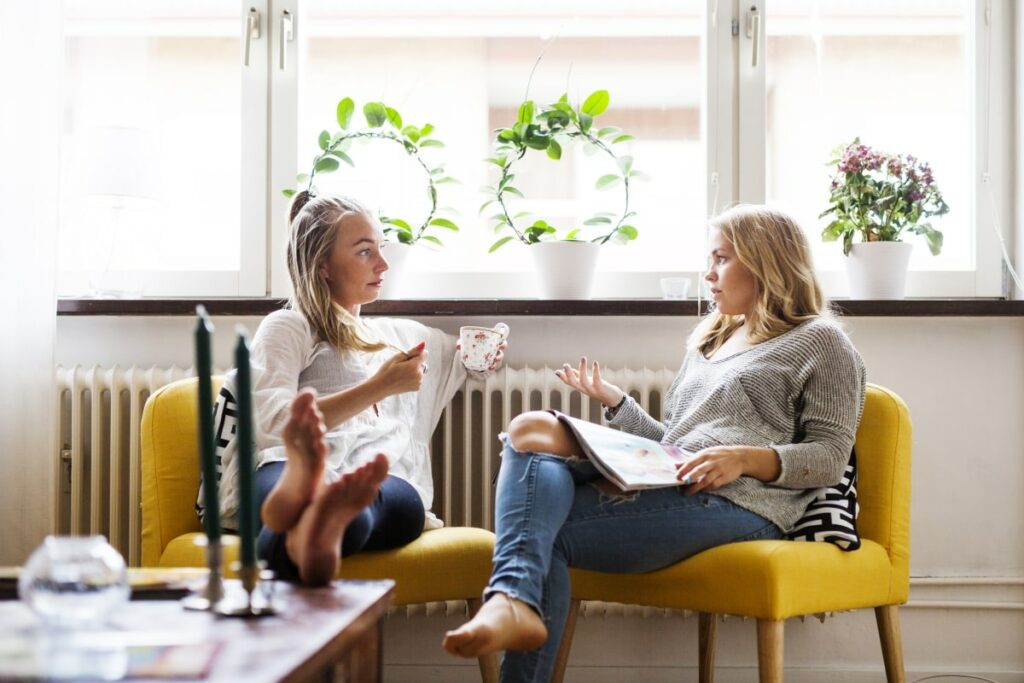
(880, 195)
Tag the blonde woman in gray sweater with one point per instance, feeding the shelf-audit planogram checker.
(768, 398)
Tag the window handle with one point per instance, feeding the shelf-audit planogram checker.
(286, 36)
(252, 32)
(754, 33)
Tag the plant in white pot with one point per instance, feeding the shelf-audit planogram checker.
(879, 197)
(385, 123)
(565, 258)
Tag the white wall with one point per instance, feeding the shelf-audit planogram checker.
(963, 379)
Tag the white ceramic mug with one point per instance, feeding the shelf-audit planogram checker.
(480, 345)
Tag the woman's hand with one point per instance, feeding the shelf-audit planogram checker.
(714, 467)
(590, 383)
(403, 372)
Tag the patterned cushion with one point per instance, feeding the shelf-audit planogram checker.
(225, 427)
(832, 515)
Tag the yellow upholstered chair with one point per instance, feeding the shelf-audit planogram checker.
(774, 580)
(444, 564)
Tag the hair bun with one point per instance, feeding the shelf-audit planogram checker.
(299, 200)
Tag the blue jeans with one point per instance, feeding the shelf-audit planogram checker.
(549, 516)
(394, 518)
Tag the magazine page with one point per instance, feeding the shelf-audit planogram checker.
(632, 462)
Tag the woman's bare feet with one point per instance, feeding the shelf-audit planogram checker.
(306, 450)
(501, 623)
(314, 544)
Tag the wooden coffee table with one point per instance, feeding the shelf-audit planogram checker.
(331, 633)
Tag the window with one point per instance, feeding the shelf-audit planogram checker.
(713, 126)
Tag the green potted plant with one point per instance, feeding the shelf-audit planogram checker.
(879, 197)
(385, 123)
(565, 257)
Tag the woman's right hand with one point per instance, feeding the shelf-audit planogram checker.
(589, 382)
(403, 372)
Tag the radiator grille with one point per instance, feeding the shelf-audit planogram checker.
(97, 444)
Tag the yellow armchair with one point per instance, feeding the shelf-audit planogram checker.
(774, 580)
(451, 563)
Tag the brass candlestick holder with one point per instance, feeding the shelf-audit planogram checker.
(214, 591)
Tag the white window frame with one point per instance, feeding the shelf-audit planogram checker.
(733, 134)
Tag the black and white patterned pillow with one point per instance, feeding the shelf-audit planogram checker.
(225, 428)
(832, 515)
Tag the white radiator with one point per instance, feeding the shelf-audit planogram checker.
(100, 410)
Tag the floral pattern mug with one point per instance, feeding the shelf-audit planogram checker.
(480, 345)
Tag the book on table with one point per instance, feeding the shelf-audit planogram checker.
(629, 461)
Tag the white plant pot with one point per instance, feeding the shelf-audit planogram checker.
(397, 254)
(565, 270)
(878, 270)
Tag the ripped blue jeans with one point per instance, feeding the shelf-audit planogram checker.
(550, 516)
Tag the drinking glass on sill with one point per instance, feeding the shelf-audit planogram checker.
(675, 287)
(74, 581)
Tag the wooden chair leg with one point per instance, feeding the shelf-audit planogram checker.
(707, 639)
(566, 644)
(770, 646)
(489, 664)
(888, 619)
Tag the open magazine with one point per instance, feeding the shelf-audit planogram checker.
(629, 461)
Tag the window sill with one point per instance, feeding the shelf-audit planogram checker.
(930, 308)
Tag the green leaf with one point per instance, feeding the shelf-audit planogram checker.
(512, 190)
(324, 140)
(302, 178)
(572, 234)
(598, 220)
(345, 109)
(497, 161)
(288, 193)
(625, 163)
(526, 112)
(426, 130)
(326, 165)
(596, 103)
(485, 205)
(411, 132)
(628, 231)
(446, 180)
(430, 143)
(394, 118)
(344, 157)
(586, 121)
(444, 223)
(522, 214)
(639, 175)
(397, 222)
(554, 149)
(506, 134)
(500, 243)
(437, 171)
(623, 138)
(431, 238)
(375, 114)
(607, 181)
(608, 130)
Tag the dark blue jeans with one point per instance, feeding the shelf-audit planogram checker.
(393, 519)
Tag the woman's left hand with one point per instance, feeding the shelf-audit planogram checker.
(714, 467)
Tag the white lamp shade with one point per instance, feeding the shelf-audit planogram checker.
(120, 163)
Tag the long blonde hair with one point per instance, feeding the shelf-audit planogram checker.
(313, 229)
(775, 250)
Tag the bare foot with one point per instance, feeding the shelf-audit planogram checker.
(304, 444)
(314, 544)
(502, 623)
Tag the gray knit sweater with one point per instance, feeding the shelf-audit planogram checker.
(800, 393)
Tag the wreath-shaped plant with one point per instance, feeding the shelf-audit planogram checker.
(550, 128)
(383, 123)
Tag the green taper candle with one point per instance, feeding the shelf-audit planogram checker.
(207, 447)
(246, 491)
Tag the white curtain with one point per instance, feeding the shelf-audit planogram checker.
(30, 128)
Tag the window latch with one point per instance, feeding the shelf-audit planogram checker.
(754, 33)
